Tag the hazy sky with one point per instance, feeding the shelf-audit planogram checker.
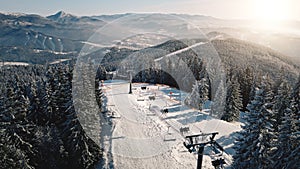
(227, 9)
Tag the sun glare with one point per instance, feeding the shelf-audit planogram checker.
(272, 10)
(269, 14)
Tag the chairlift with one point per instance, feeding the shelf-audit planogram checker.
(193, 145)
(184, 130)
(151, 97)
(219, 163)
(169, 137)
(217, 159)
(164, 110)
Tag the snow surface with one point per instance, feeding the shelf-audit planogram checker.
(14, 63)
(143, 137)
(94, 44)
(59, 61)
(181, 50)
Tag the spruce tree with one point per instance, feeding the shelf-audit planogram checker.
(246, 138)
(83, 152)
(203, 92)
(293, 159)
(246, 79)
(38, 103)
(11, 156)
(282, 102)
(233, 102)
(218, 104)
(255, 145)
(285, 141)
(199, 94)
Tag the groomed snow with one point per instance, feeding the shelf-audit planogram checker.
(143, 137)
(14, 63)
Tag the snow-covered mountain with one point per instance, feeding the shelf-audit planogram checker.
(63, 17)
(63, 32)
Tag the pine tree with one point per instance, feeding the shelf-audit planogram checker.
(203, 92)
(282, 102)
(16, 104)
(218, 104)
(99, 96)
(244, 143)
(293, 159)
(39, 127)
(11, 156)
(199, 94)
(246, 79)
(38, 103)
(14, 120)
(285, 141)
(52, 90)
(233, 102)
(254, 146)
(193, 98)
(82, 151)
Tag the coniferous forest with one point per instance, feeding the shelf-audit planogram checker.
(39, 124)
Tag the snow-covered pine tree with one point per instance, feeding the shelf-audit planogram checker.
(38, 102)
(11, 156)
(245, 140)
(199, 94)
(193, 98)
(99, 96)
(52, 91)
(264, 145)
(14, 119)
(26, 145)
(246, 79)
(282, 102)
(233, 103)
(203, 92)
(285, 141)
(83, 152)
(218, 104)
(254, 146)
(16, 104)
(295, 98)
(293, 160)
(204, 74)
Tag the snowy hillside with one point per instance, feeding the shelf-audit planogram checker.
(143, 137)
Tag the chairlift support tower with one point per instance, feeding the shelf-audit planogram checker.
(193, 145)
(130, 81)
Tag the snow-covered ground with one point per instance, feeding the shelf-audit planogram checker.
(59, 61)
(143, 137)
(181, 50)
(14, 63)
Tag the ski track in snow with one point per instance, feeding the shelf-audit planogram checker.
(180, 51)
(140, 138)
(50, 39)
(28, 38)
(61, 45)
(43, 43)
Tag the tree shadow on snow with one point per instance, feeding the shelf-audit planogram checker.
(227, 140)
(190, 117)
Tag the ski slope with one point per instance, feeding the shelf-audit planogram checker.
(144, 138)
(180, 51)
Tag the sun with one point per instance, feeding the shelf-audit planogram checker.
(272, 10)
(271, 14)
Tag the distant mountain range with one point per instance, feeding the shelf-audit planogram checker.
(63, 35)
